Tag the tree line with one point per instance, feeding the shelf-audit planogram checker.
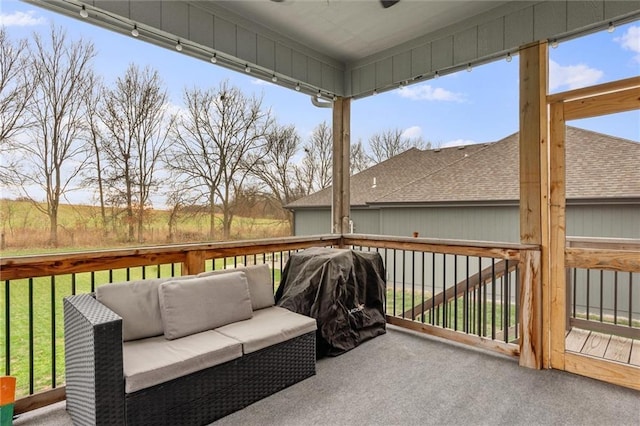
(62, 128)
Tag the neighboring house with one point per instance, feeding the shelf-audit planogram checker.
(471, 192)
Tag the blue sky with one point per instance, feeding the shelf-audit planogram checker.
(466, 107)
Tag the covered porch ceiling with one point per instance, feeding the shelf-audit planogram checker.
(348, 48)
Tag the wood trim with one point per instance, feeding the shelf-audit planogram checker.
(605, 370)
(598, 89)
(530, 311)
(608, 103)
(456, 336)
(557, 224)
(610, 260)
(39, 400)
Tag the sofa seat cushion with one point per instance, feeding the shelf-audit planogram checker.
(268, 327)
(259, 280)
(156, 360)
(203, 303)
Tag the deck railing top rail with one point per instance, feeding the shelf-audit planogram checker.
(66, 263)
(498, 250)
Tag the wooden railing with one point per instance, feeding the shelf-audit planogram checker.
(603, 285)
(471, 292)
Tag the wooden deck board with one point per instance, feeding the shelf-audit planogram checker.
(619, 349)
(596, 344)
(635, 353)
(576, 339)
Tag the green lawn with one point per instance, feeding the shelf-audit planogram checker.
(40, 297)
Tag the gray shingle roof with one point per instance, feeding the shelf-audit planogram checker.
(598, 167)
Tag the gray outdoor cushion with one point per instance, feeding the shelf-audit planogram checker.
(260, 286)
(156, 360)
(137, 303)
(268, 327)
(203, 303)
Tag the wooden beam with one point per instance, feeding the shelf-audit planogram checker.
(558, 235)
(608, 103)
(341, 181)
(534, 193)
(598, 89)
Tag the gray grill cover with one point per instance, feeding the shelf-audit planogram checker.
(343, 290)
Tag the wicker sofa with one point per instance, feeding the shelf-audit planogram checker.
(181, 351)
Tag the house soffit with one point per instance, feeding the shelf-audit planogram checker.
(348, 48)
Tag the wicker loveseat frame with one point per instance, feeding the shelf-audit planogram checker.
(95, 384)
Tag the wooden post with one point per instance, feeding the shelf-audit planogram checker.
(193, 263)
(530, 309)
(557, 218)
(534, 225)
(341, 181)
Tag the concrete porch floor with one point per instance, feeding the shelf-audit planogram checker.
(405, 378)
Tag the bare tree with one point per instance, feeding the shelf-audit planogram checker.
(94, 134)
(359, 159)
(16, 90)
(55, 153)
(212, 147)
(274, 167)
(137, 126)
(390, 143)
(316, 170)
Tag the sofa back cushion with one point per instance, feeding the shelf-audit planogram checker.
(203, 303)
(259, 280)
(137, 303)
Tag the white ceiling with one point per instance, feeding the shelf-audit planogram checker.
(349, 30)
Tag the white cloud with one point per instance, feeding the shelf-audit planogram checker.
(413, 132)
(457, 142)
(630, 40)
(259, 82)
(21, 19)
(572, 76)
(425, 92)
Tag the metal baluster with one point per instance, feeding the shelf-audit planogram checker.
(493, 298)
(588, 290)
(601, 295)
(53, 331)
(31, 339)
(615, 297)
(413, 285)
(7, 328)
(423, 278)
(455, 292)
